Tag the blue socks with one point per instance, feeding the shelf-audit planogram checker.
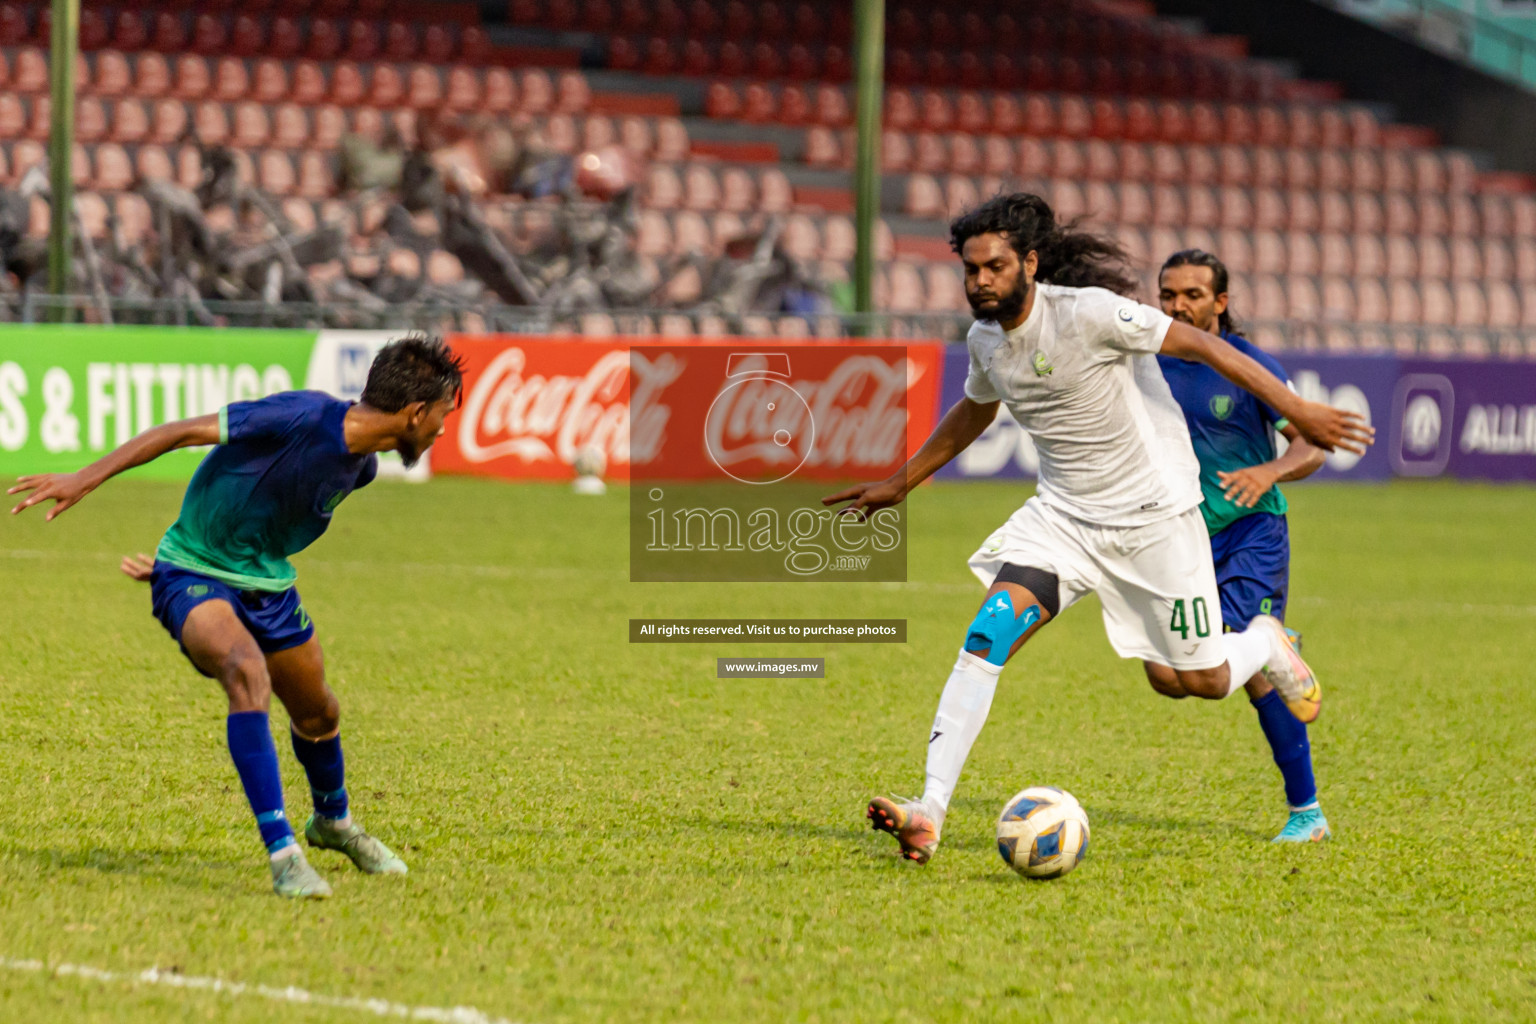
(325, 767)
(1293, 754)
(255, 757)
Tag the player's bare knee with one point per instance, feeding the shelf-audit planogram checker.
(1210, 683)
(1164, 680)
(322, 723)
(243, 674)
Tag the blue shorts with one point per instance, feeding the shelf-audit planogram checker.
(1253, 568)
(277, 620)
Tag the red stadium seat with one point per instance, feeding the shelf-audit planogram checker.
(270, 83)
(1034, 159)
(130, 121)
(90, 120)
(775, 194)
(1134, 205)
(822, 148)
(13, 116)
(1006, 116)
(285, 40)
(400, 42)
(170, 35)
(424, 87)
(129, 32)
(794, 105)
(1403, 305)
(210, 123)
(671, 140)
(663, 188)
(1496, 259)
(437, 43)
(537, 92)
(315, 178)
(208, 35)
(247, 37)
(325, 40)
(1074, 117)
(738, 192)
(363, 41)
(347, 86)
(274, 173)
(168, 122)
(759, 104)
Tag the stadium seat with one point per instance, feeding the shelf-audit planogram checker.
(90, 120)
(701, 191)
(330, 125)
(663, 188)
(347, 87)
(1338, 299)
(247, 37)
(635, 136)
(1269, 255)
(274, 173)
(1496, 259)
(500, 91)
(192, 80)
(168, 122)
(153, 163)
(210, 123)
(424, 87)
(316, 180)
(385, 87)
(113, 77)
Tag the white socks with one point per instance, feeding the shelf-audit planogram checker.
(962, 712)
(1247, 652)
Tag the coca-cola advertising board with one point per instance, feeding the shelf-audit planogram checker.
(530, 405)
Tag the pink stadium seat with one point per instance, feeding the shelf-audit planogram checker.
(230, 81)
(315, 178)
(794, 106)
(1503, 304)
(154, 164)
(1268, 167)
(39, 125)
(1370, 255)
(1269, 211)
(738, 192)
(500, 91)
(1269, 255)
(664, 189)
(572, 93)
(1332, 169)
(1436, 304)
(270, 81)
(1334, 256)
(1461, 213)
(1434, 259)
(653, 236)
(1302, 212)
(1302, 301)
(274, 172)
(330, 126)
(597, 132)
(537, 92)
(1402, 256)
(1236, 208)
(1403, 305)
(113, 76)
(424, 87)
(1338, 299)
(895, 151)
(290, 128)
(1366, 214)
(1268, 298)
(1134, 204)
(1399, 216)
(331, 123)
(635, 135)
(960, 194)
(1470, 305)
(386, 89)
(1496, 259)
(347, 86)
(1302, 253)
(560, 133)
(251, 127)
(775, 194)
(822, 148)
(90, 120)
(189, 166)
(929, 154)
(192, 79)
(210, 123)
(1202, 209)
(168, 122)
(308, 85)
(13, 116)
(701, 191)
(93, 212)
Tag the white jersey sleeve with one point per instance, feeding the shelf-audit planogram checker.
(1115, 324)
(977, 387)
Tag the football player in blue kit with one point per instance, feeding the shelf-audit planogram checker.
(1234, 439)
(222, 585)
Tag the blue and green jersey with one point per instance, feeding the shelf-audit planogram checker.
(1230, 429)
(267, 491)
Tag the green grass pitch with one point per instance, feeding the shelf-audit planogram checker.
(598, 831)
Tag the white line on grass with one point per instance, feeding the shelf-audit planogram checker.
(236, 989)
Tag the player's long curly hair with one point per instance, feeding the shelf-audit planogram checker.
(1219, 280)
(1067, 256)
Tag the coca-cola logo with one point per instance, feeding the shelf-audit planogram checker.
(510, 413)
(856, 416)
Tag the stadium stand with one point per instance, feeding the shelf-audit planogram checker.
(448, 160)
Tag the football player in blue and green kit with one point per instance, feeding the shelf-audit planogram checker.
(223, 588)
(1233, 436)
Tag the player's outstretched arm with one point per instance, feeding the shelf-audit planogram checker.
(1247, 485)
(1326, 427)
(66, 489)
(962, 424)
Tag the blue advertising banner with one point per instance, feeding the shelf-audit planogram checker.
(1462, 419)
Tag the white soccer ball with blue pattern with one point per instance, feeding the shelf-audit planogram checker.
(1042, 832)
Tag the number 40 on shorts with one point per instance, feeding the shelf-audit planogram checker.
(1180, 622)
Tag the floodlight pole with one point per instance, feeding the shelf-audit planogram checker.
(61, 139)
(869, 72)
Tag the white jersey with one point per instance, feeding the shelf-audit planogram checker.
(1080, 375)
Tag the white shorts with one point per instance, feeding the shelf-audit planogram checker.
(1156, 582)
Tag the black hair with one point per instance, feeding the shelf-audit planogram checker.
(416, 368)
(1200, 258)
(1067, 256)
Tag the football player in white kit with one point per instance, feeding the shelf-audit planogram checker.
(1116, 510)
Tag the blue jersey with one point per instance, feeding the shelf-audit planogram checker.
(267, 491)
(1229, 427)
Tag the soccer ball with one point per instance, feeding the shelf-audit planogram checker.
(590, 461)
(1042, 832)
